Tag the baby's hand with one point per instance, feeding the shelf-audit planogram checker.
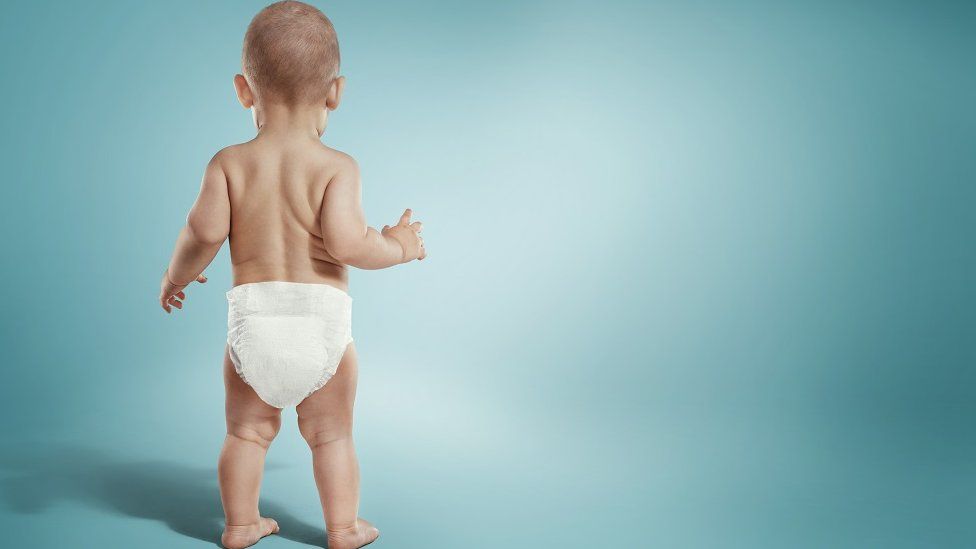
(407, 234)
(170, 295)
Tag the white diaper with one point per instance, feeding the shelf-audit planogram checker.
(286, 338)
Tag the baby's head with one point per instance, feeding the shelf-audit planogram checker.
(290, 57)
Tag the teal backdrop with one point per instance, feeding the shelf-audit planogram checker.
(701, 274)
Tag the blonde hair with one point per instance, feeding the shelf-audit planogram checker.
(291, 53)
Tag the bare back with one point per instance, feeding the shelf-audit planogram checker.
(276, 189)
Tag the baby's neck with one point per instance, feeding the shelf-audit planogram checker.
(277, 120)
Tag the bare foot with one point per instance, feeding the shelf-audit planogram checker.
(238, 537)
(363, 533)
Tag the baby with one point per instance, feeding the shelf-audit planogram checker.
(291, 209)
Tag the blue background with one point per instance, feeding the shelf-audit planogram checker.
(701, 274)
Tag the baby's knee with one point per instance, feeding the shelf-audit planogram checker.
(318, 432)
(261, 432)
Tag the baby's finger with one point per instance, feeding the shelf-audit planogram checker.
(181, 294)
(176, 303)
(405, 218)
(202, 278)
(417, 226)
(163, 304)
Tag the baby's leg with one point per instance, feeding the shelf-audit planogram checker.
(251, 426)
(325, 420)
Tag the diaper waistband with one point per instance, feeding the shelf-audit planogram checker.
(294, 298)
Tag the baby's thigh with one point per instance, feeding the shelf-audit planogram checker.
(330, 408)
(247, 415)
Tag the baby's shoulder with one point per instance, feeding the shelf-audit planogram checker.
(337, 160)
(230, 155)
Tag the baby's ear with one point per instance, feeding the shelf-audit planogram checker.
(244, 94)
(335, 93)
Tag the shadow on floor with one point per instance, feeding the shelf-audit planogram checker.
(186, 499)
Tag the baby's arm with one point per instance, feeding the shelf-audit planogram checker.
(346, 235)
(207, 226)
